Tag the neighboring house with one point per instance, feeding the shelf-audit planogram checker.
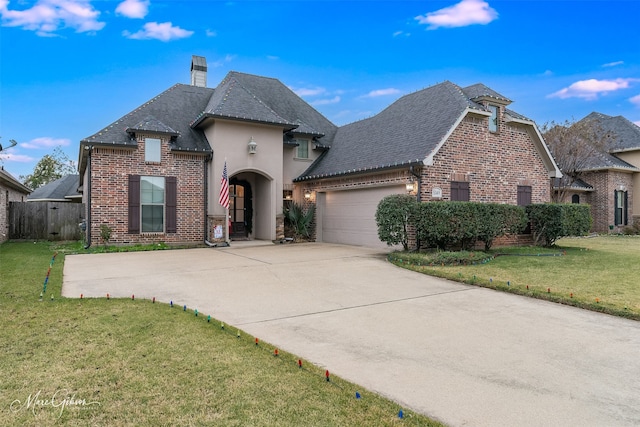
(64, 189)
(611, 180)
(155, 174)
(11, 190)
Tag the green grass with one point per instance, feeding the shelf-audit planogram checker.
(597, 273)
(147, 364)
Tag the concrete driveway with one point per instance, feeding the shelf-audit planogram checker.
(464, 355)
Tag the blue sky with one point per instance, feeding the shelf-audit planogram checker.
(70, 67)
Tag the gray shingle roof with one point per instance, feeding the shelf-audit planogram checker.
(61, 189)
(602, 160)
(151, 124)
(174, 108)
(625, 134)
(10, 181)
(405, 133)
(266, 100)
(479, 90)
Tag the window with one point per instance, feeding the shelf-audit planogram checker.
(524, 195)
(575, 199)
(302, 151)
(459, 191)
(493, 120)
(152, 204)
(620, 207)
(152, 150)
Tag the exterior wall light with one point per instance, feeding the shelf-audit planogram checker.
(252, 146)
(410, 186)
(307, 194)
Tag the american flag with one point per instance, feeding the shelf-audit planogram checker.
(224, 188)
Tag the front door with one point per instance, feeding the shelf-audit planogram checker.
(239, 209)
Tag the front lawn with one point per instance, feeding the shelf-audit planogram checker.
(124, 362)
(599, 273)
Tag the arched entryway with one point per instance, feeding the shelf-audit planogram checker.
(240, 209)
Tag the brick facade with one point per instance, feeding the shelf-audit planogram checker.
(110, 169)
(494, 164)
(7, 195)
(602, 198)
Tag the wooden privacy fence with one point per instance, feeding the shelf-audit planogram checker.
(45, 220)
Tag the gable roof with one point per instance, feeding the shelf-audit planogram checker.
(266, 100)
(8, 180)
(625, 134)
(169, 113)
(62, 190)
(409, 132)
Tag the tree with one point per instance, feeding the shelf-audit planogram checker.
(573, 145)
(49, 168)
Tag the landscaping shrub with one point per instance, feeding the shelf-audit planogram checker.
(299, 220)
(393, 218)
(447, 224)
(495, 220)
(550, 221)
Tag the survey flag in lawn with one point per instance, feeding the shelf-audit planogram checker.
(224, 188)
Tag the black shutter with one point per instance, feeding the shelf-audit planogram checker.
(460, 191)
(626, 208)
(524, 195)
(616, 212)
(171, 203)
(134, 204)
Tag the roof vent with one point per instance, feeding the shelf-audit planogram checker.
(198, 71)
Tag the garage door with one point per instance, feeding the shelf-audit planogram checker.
(349, 216)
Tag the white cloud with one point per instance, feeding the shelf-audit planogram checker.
(47, 16)
(635, 100)
(333, 100)
(273, 57)
(308, 91)
(590, 89)
(221, 62)
(133, 8)
(18, 158)
(164, 31)
(637, 122)
(211, 33)
(467, 12)
(401, 33)
(613, 64)
(45, 142)
(547, 73)
(382, 92)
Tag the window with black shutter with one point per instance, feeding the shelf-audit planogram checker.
(620, 204)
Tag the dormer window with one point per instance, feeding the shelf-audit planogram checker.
(302, 151)
(152, 150)
(493, 120)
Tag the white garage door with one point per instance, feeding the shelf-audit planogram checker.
(349, 216)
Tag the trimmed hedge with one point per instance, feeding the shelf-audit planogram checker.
(393, 217)
(461, 225)
(550, 221)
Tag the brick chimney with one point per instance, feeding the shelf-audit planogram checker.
(198, 71)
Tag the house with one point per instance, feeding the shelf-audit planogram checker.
(156, 173)
(610, 178)
(64, 189)
(11, 190)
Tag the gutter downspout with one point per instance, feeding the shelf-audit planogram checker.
(418, 197)
(417, 175)
(90, 149)
(206, 202)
